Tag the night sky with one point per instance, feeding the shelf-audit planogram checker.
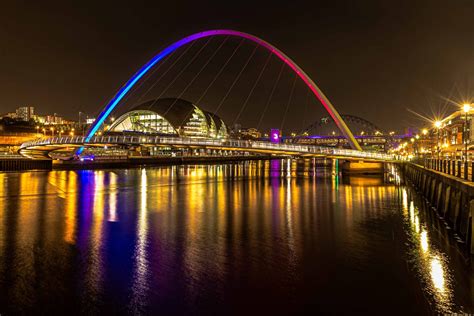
(374, 59)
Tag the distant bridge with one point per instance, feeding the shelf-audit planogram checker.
(42, 148)
(368, 126)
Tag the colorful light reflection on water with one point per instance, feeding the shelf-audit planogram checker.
(278, 236)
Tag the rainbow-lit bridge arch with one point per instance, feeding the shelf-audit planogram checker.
(168, 50)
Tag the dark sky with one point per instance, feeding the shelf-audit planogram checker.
(373, 59)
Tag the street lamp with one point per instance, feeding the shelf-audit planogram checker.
(466, 108)
(437, 124)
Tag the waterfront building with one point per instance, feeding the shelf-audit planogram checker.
(11, 115)
(170, 116)
(25, 113)
(448, 138)
(250, 133)
(451, 137)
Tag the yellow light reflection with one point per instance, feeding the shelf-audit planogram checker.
(94, 273)
(405, 199)
(437, 274)
(288, 208)
(3, 207)
(142, 220)
(141, 262)
(432, 268)
(424, 241)
(71, 207)
(113, 217)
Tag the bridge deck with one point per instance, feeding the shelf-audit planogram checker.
(47, 145)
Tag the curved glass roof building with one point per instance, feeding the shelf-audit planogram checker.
(171, 116)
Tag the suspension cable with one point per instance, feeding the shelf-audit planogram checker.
(306, 106)
(180, 73)
(288, 104)
(142, 82)
(220, 71)
(271, 95)
(198, 73)
(253, 88)
(166, 71)
(236, 79)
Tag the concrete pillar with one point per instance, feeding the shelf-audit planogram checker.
(446, 200)
(457, 206)
(439, 192)
(428, 186)
(432, 192)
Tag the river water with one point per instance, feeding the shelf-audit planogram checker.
(272, 237)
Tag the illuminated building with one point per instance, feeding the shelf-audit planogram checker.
(455, 134)
(170, 116)
(250, 133)
(25, 113)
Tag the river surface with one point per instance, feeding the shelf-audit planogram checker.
(274, 237)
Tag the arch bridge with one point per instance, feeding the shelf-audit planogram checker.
(42, 148)
(367, 125)
(121, 94)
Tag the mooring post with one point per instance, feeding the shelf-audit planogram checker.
(459, 169)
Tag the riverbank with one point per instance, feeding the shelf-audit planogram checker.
(24, 164)
(450, 197)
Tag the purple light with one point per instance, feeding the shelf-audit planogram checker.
(144, 69)
(274, 135)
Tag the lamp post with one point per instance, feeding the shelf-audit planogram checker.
(466, 108)
(437, 124)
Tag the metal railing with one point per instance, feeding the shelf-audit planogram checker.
(457, 168)
(228, 144)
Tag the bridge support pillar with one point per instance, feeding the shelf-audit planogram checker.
(361, 167)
